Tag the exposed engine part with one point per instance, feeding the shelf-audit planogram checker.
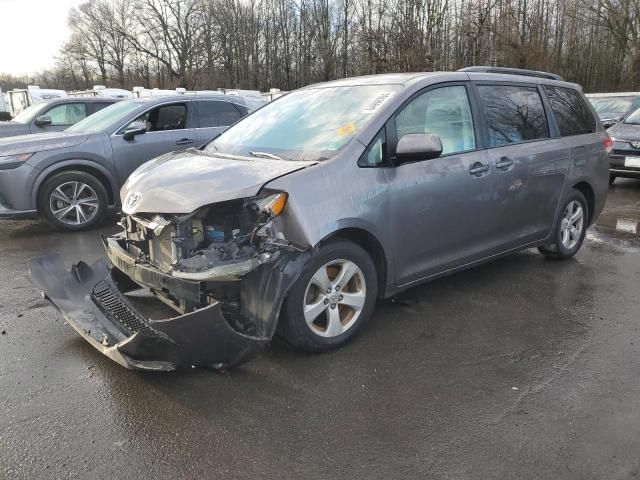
(227, 261)
(220, 242)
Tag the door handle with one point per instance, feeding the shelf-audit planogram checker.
(504, 163)
(478, 168)
(184, 141)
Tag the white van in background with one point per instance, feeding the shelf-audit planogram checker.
(5, 114)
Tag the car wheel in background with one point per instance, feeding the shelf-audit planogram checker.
(332, 299)
(72, 201)
(570, 229)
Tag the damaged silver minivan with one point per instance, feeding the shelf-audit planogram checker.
(296, 219)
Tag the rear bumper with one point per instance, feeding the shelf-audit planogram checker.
(92, 300)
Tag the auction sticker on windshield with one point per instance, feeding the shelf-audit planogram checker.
(379, 100)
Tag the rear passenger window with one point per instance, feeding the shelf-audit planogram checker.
(217, 114)
(97, 106)
(514, 114)
(571, 112)
(444, 111)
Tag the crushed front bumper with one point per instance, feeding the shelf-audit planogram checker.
(92, 299)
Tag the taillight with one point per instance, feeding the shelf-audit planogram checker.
(608, 144)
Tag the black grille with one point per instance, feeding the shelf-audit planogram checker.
(115, 308)
(626, 152)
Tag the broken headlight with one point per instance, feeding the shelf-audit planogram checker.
(273, 204)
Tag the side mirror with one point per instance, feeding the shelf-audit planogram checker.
(130, 133)
(414, 147)
(43, 121)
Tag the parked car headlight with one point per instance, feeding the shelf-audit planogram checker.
(22, 157)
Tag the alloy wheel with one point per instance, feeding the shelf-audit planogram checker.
(74, 203)
(334, 298)
(572, 224)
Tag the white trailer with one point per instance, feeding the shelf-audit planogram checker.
(102, 91)
(140, 92)
(19, 99)
(5, 114)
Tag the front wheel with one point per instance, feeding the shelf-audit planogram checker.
(331, 301)
(73, 201)
(570, 229)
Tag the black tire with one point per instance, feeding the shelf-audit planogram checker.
(292, 326)
(65, 180)
(556, 249)
(612, 178)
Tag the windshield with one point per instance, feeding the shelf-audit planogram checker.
(611, 105)
(105, 118)
(29, 113)
(633, 119)
(308, 124)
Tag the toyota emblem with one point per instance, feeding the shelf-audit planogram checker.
(636, 145)
(132, 199)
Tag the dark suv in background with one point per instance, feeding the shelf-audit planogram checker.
(611, 108)
(625, 158)
(53, 115)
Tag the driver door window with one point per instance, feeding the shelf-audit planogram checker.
(167, 130)
(162, 119)
(443, 111)
(67, 115)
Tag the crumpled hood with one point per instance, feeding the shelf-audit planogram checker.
(181, 182)
(40, 142)
(624, 131)
(10, 129)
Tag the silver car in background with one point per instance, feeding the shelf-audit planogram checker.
(53, 115)
(72, 178)
(296, 219)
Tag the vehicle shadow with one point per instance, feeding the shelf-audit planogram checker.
(486, 328)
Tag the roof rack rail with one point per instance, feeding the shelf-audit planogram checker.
(513, 71)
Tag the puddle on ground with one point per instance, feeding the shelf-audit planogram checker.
(621, 215)
(627, 227)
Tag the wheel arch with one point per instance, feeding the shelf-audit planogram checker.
(589, 194)
(370, 243)
(92, 168)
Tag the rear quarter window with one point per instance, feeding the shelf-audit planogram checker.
(217, 114)
(97, 106)
(514, 114)
(572, 114)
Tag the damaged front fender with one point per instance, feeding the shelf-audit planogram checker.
(93, 301)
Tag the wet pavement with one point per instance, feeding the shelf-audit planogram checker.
(523, 368)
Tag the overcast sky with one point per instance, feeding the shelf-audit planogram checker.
(32, 32)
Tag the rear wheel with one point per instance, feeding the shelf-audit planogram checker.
(73, 201)
(570, 228)
(333, 298)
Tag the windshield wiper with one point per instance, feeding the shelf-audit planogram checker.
(265, 155)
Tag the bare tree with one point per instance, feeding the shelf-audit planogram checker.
(290, 43)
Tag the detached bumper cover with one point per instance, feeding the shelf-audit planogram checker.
(91, 300)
